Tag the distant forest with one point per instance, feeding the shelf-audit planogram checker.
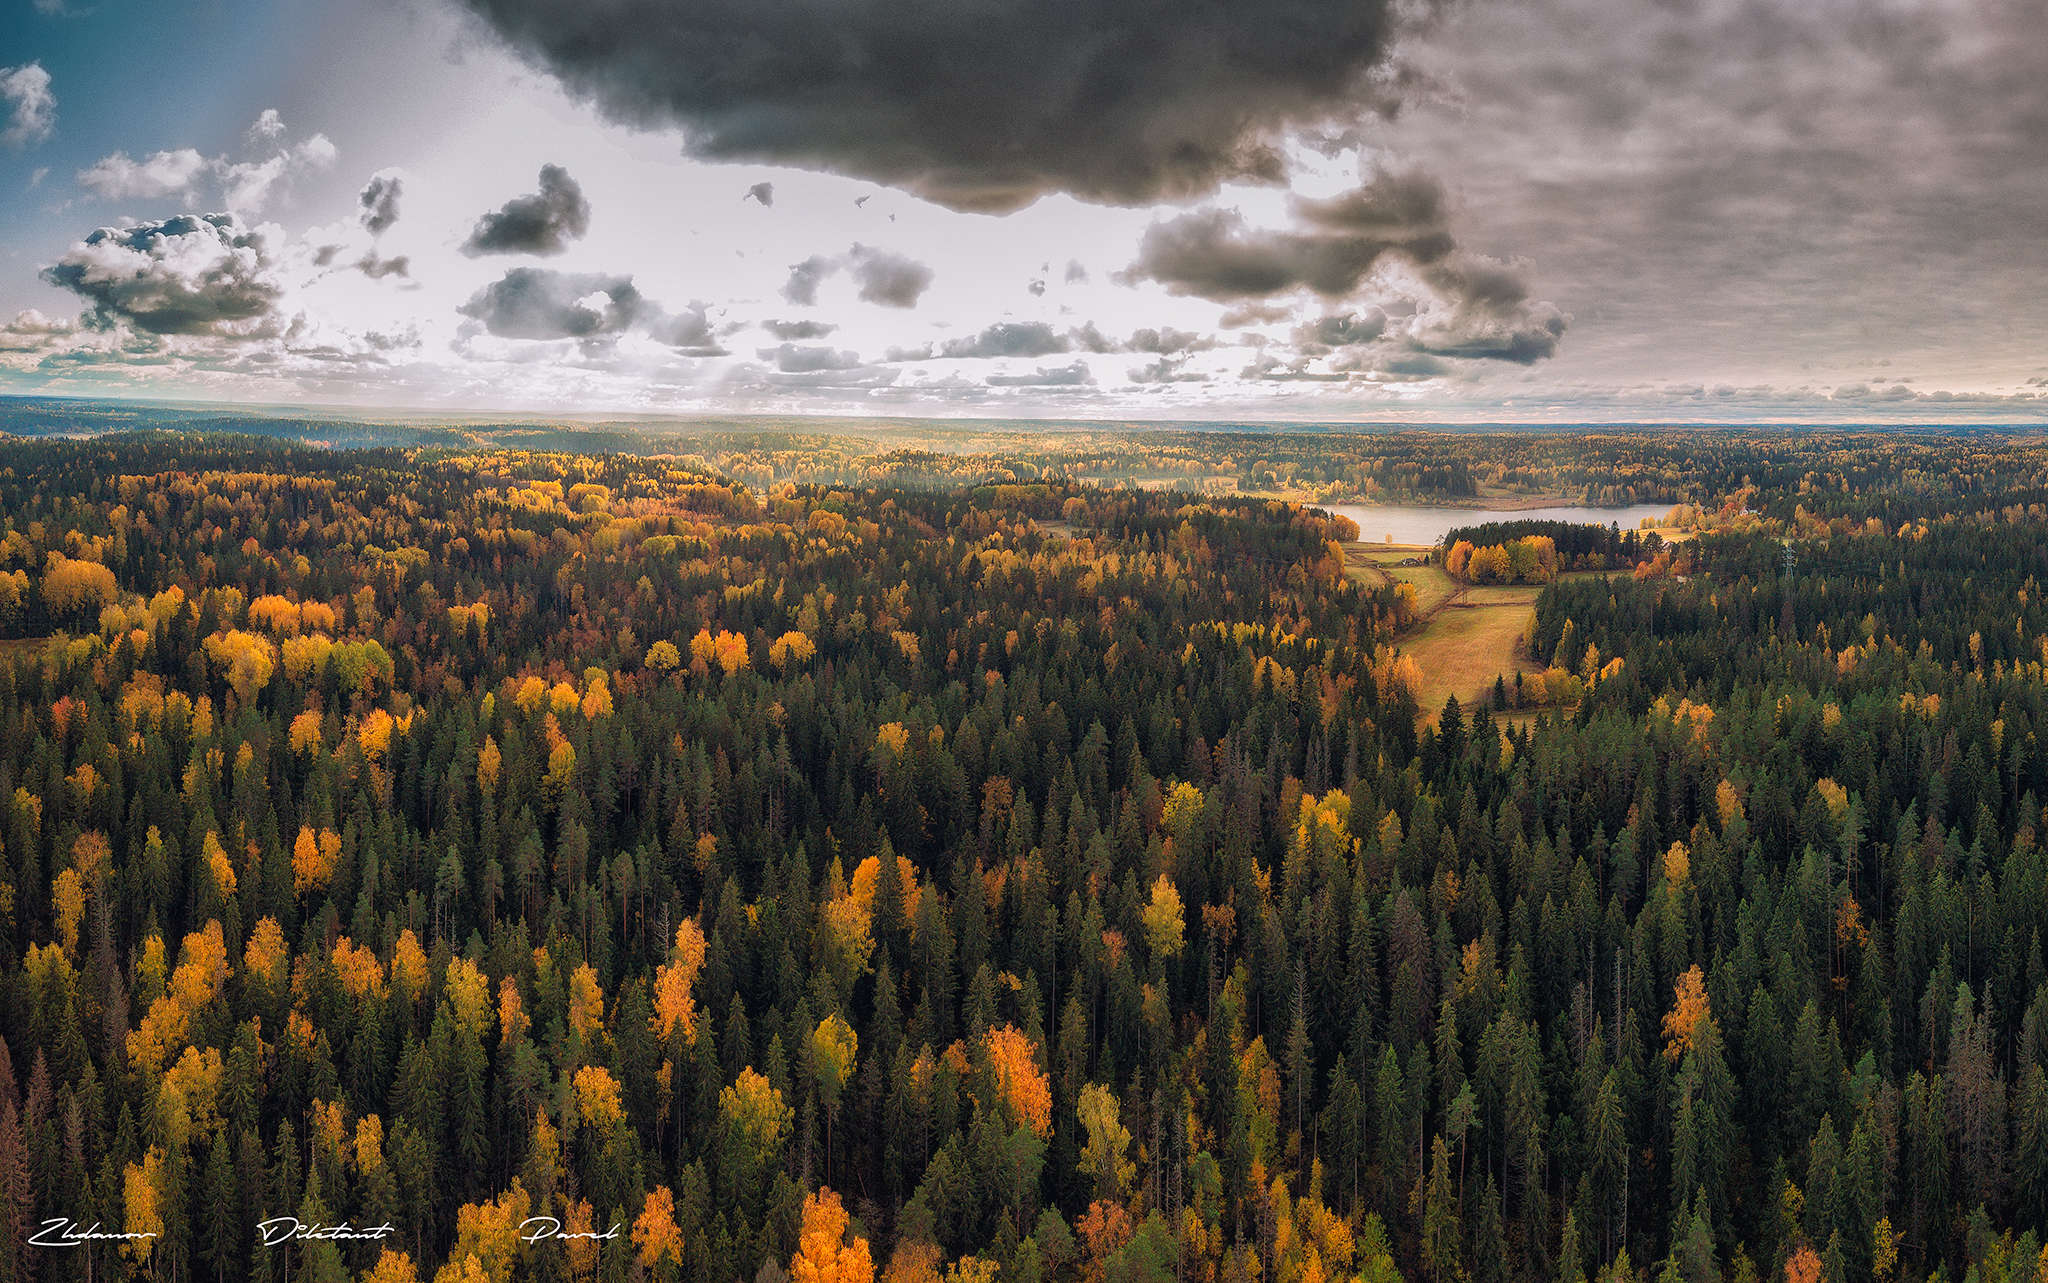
(809, 859)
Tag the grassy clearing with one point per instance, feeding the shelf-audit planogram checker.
(1464, 648)
(1362, 568)
(1501, 595)
(1432, 586)
(1388, 554)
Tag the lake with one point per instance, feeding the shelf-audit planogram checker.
(1412, 524)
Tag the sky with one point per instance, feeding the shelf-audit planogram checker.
(1377, 210)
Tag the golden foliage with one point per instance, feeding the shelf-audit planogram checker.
(586, 1002)
(391, 1267)
(306, 732)
(142, 1195)
(1803, 1266)
(1024, 1087)
(655, 1231)
(468, 995)
(369, 1146)
(662, 656)
(1688, 1010)
(1165, 919)
(1834, 796)
(597, 695)
(512, 1017)
(834, 1046)
(754, 1109)
(74, 585)
(727, 650)
(488, 1233)
(248, 660)
(358, 968)
(597, 1097)
(314, 857)
(266, 954)
(866, 874)
(68, 895)
(825, 1252)
(408, 966)
(1677, 865)
(490, 763)
(791, 650)
(675, 1008)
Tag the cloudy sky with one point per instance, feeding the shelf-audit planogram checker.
(1286, 209)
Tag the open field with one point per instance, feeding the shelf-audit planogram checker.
(1500, 595)
(1462, 649)
(1433, 587)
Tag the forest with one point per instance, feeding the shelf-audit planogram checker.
(464, 862)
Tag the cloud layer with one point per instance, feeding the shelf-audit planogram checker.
(980, 107)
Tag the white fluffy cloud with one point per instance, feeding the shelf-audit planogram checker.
(164, 173)
(194, 274)
(245, 186)
(32, 107)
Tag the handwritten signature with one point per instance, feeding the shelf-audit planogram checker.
(286, 1229)
(62, 1231)
(550, 1228)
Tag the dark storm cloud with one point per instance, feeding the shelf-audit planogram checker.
(1419, 366)
(881, 277)
(379, 201)
(1781, 188)
(798, 329)
(1166, 341)
(762, 192)
(1165, 370)
(1522, 338)
(1476, 307)
(1058, 376)
(1344, 329)
(1489, 316)
(798, 358)
(377, 268)
(542, 223)
(538, 303)
(690, 331)
(1009, 338)
(888, 279)
(978, 107)
(193, 274)
(804, 279)
(1332, 247)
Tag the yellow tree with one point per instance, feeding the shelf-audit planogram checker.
(391, 1267)
(833, 1048)
(825, 1252)
(1104, 1156)
(1165, 919)
(674, 1006)
(1682, 1022)
(655, 1232)
(1012, 1058)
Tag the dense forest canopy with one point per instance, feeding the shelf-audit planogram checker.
(928, 876)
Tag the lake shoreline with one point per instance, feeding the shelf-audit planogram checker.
(1425, 525)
